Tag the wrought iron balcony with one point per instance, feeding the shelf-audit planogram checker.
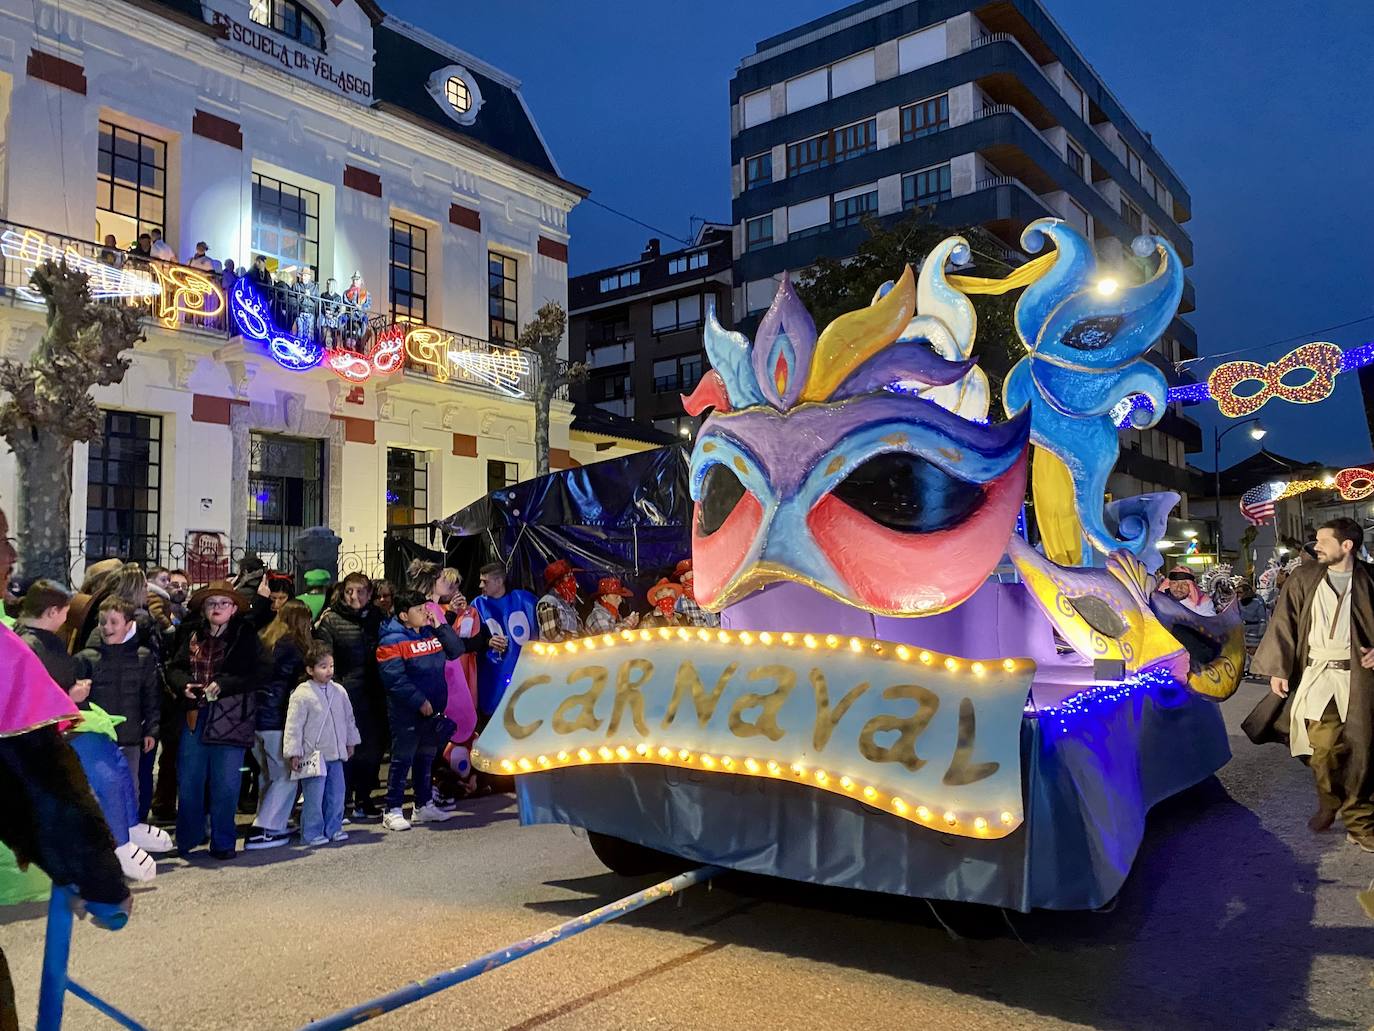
(291, 322)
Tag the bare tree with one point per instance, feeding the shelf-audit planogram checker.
(49, 407)
(542, 336)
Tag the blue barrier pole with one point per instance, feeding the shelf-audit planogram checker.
(57, 948)
(420, 989)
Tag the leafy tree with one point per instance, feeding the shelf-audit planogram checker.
(541, 336)
(49, 407)
(832, 287)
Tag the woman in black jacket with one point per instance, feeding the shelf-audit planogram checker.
(214, 675)
(352, 627)
(286, 639)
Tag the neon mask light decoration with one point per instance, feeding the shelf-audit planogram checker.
(814, 468)
(180, 291)
(1322, 360)
(1355, 483)
(383, 357)
(254, 320)
(947, 324)
(1084, 358)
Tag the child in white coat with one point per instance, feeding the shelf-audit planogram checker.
(319, 718)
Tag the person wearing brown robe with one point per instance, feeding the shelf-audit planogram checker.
(1341, 745)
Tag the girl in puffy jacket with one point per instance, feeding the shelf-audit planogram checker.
(286, 639)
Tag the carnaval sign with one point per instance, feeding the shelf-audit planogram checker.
(175, 291)
(931, 739)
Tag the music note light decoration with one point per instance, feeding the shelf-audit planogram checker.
(503, 370)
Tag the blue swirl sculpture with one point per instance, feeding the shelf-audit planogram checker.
(1084, 347)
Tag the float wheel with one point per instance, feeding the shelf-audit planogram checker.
(629, 859)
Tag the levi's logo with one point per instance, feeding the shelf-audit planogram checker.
(409, 649)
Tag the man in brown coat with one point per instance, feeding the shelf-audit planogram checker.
(1319, 653)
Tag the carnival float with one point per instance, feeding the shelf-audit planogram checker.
(904, 696)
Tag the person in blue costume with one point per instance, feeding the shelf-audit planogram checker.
(508, 614)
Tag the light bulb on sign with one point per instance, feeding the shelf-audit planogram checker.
(1107, 286)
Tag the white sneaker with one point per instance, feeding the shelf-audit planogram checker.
(136, 863)
(150, 838)
(395, 820)
(430, 813)
(339, 836)
(317, 842)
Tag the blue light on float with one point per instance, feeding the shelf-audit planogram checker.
(1155, 681)
(254, 320)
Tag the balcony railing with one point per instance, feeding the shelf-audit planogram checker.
(292, 321)
(601, 355)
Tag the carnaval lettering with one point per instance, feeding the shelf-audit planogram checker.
(914, 734)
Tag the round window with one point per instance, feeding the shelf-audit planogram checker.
(457, 93)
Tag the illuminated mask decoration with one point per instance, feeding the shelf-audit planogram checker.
(1320, 361)
(1355, 484)
(1085, 337)
(816, 468)
(1102, 613)
(383, 357)
(254, 320)
(947, 323)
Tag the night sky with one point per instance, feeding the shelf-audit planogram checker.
(1261, 106)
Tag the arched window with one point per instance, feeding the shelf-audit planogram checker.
(291, 19)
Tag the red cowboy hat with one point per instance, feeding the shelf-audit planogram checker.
(662, 588)
(685, 566)
(555, 571)
(611, 585)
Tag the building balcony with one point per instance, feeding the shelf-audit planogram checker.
(293, 325)
(603, 355)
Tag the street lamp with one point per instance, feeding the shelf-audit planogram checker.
(1257, 432)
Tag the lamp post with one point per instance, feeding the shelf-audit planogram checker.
(1257, 432)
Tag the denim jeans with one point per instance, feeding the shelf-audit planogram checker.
(199, 764)
(413, 747)
(276, 791)
(322, 803)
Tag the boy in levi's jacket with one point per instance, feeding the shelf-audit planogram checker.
(415, 646)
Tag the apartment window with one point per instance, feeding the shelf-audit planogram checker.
(610, 331)
(408, 276)
(286, 223)
(926, 187)
(920, 49)
(679, 313)
(501, 475)
(853, 73)
(1075, 159)
(1077, 100)
(1132, 163)
(407, 490)
(124, 488)
(131, 184)
(502, 304)
(756, 108)
(850, 211)
(290, 19)
(856, 140)
(619, 280)
(758, 170)
(1132, 215)
(808, 218)
(686, 262)
(929, 116)
(808, 90)
(615, 387)
(758, 294)
(758, 232)
(1078, 218)
(677, 374)
(808, 155)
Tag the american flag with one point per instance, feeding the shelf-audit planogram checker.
(1257, 503)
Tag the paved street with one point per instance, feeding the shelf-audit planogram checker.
(1235, 917)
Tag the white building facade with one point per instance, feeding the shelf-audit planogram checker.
(328, 137)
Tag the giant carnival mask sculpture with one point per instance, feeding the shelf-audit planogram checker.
(1085, 337)
(821, 464)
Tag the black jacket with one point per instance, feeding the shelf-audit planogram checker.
(240, 672)
(51, 650)
(124, 682)
(150, 634)
(287, 671)
(353, 635)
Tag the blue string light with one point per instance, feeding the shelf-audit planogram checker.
(1089, 703)
(254, 319)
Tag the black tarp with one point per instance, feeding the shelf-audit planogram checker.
(627, 517)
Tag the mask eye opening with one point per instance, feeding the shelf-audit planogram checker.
(904, 492)
(721, 492)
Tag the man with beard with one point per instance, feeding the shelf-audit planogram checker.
(1318, 653)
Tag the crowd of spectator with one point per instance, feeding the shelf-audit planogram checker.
(244, 697)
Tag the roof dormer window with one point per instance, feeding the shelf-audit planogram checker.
(455, 89)
(291, 19)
